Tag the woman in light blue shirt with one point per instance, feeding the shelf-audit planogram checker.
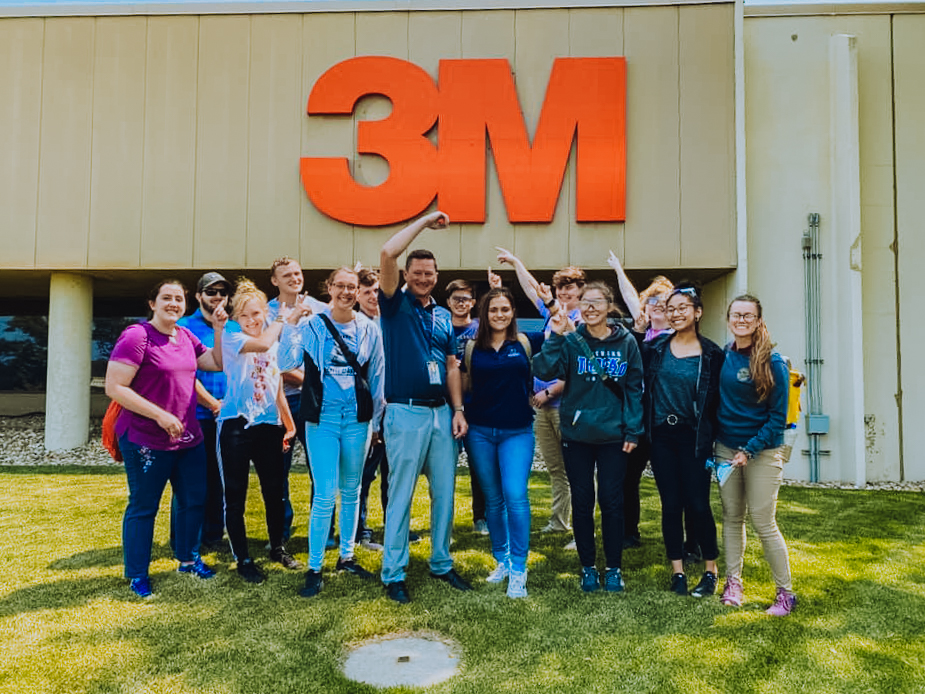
(342, 403)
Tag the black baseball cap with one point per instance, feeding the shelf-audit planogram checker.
(210, 278)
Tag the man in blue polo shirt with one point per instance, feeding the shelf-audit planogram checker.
(422, 381)
(212, 291)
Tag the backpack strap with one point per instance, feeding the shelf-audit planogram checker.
(467, 355)
(525, 343)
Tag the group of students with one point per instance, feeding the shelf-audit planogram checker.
(383, 377)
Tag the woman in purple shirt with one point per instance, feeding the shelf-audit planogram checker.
(152, 375)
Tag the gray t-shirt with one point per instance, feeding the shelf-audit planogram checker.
(675, 390)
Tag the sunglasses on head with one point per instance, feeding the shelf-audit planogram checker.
(215, 291)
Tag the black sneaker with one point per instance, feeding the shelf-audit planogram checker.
(413, 537)
(248, 570)
(590, 579)
(707, 585)
(632, 542)
(313, 584)
(398, 592)
(613, 581)
(351, 567)
(281, 556)
(454, 579)
(678, 584)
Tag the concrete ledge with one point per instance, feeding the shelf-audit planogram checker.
(31, 8)
(19, 404)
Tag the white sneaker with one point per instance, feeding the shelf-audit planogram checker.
(372, 546)
(499, 574)
(517, 584)
(571, 546)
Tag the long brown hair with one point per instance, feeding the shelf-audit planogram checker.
(759, 364)
(483, 334)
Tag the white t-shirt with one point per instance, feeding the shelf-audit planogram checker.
(253, 381)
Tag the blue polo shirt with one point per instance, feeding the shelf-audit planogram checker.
(500, 385)
(213, 381)
(412, 336)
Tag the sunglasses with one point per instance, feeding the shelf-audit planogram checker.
(215, 291)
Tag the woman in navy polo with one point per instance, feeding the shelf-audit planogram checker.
(500, 438)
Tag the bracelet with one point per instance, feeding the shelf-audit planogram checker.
(550, 303)
(279, 318)
(459, 408)
(548, 394)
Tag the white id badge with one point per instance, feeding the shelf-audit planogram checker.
(434, 372)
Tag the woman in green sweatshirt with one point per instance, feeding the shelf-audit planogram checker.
(601, 419)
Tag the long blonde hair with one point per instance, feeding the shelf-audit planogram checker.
(244, 292)
(759, 364)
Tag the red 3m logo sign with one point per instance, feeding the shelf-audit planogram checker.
(475, 99)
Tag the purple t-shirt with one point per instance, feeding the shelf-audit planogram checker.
(167, 377)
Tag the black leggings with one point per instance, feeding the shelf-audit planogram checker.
(263, 444)
(582, 460)
(684, 487)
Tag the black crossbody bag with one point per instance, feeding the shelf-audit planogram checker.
(361, 384)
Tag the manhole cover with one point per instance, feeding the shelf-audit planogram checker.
(411, 661)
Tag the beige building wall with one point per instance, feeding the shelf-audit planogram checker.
(174, 141)
(789, 134)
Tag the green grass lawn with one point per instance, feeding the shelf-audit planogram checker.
(68, 622)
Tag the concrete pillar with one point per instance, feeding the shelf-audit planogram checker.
(843, 271)
(70, 334)
(740, 283)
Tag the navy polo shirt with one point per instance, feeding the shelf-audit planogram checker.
(413, 335)
(500, 385)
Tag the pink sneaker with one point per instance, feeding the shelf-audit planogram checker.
(784, 604)
(733, 593)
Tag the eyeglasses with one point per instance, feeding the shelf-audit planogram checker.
(678, 309)
(215, 291)
(341, 287)
(747, 317)
(461, 299)
(596, 303)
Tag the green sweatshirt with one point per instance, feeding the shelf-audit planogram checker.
(590, 412)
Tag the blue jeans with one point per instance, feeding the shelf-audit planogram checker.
(418, 439)
(337, 447)
(501, 460)
(147, 472)
(582, 460)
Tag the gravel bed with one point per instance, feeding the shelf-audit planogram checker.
(22, 443)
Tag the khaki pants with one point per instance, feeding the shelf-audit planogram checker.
(753, 489)
(549, 439)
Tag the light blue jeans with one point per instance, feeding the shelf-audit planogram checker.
(501, 459)
(337, 448)
(418, 439)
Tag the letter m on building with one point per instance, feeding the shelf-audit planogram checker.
(585, 101)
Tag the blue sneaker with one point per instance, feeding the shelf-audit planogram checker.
(590, 579)
(613, 581)
(197, 568)
(141, 587)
